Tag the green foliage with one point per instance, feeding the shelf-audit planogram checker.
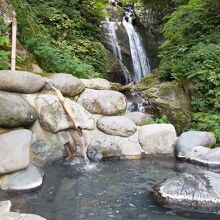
(64, 35)
(179, 2)
(191, 52)
(124, 2)
(162, 120)
(4, 45)
(207, 122)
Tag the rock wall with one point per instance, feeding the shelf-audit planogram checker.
(35, 129)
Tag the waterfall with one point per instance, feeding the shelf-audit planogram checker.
(111, 27)
(112, 37)
(128, 49)
(139, 58)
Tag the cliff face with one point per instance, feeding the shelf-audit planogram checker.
(7, 11)
(150, 16)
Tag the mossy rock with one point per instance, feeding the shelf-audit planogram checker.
(170, 99)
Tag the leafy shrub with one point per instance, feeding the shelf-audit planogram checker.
(191, 52)
(207, 122)
(64, 35)
(4, 45)
(162, 120)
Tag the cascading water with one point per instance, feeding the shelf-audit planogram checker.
(138, 66)
(111, 36)
(139, 58)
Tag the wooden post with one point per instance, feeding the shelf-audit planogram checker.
(66, 108)
(13, 47)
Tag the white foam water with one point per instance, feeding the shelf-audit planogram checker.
(140, 62)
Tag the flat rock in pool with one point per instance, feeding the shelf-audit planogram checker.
(204, 156)
(25, 180)
(196, 189)
(190, 139)
(18, 216)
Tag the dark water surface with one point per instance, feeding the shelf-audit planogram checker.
(117, 189)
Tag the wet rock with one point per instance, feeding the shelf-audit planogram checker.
(97, 83)
(53, 117)
(15, 111)
(204, 156)
(15, 150)
(68, 84)
(198, 189)
(117, 125)
(18, 216)
(25, 180)
(105, 102)
(20, 81)
(170, 99)
(47, 146)
(5, 206)
(139, 118)
(117, 71)
(102, 146)
(130, 149)
(157, 138)
(191, 139)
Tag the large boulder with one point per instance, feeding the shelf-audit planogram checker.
(68, 84)
(139, 118)
(47, 146)
(18, 216)
(169, 97)
(97, 83)
(20, 81)
(103, 146)
(25, 180)
(198, 189)
(130, 147)
(15, 111)
(117, 125)
(15, 150)
(190, 139)
(53, 117)
(105, 102)
(157, 138)
(204, 156)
